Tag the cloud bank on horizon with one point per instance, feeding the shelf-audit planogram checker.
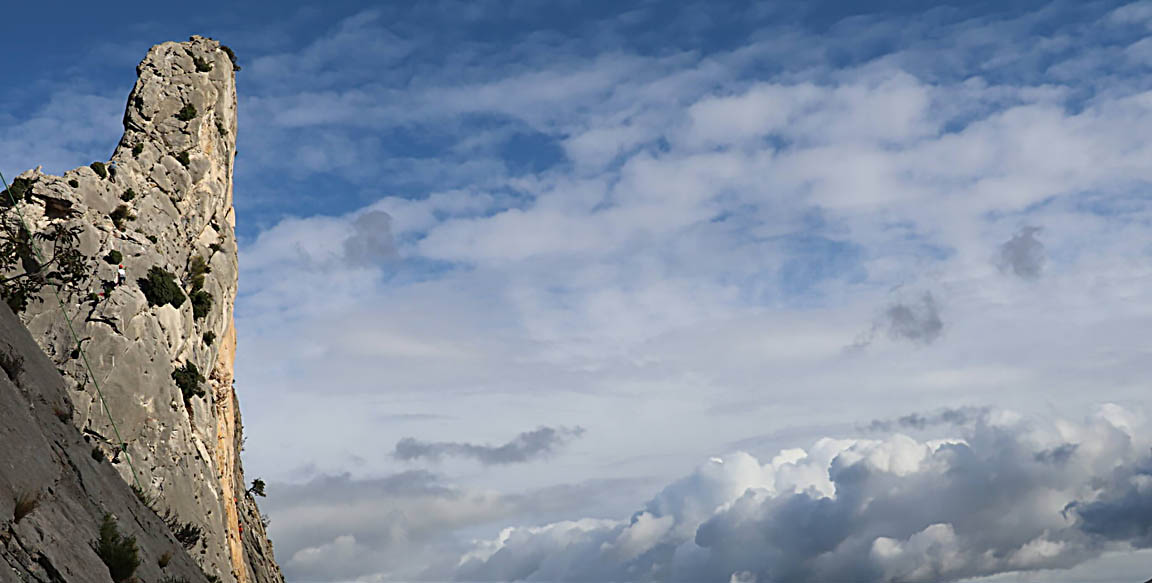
(689, 233)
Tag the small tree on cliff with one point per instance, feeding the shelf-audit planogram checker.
(29, 261)
(257, 487)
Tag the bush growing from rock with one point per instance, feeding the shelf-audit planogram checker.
(197, 268)
(187, 113)
(118, 552)
(183, 159)
(201, 303)
(188, 378)
(231, 56)
(114, 257)
(73, 183)
(120, 215)
(187, 533)
(137, 150)
(100, 169)
(209, 337)
(128, 195)
(25, 261)
(160, 288)
(202, 66)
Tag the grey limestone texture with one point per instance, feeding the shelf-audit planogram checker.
(173, 171)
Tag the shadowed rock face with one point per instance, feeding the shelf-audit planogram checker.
(44, 458)
(172, 170)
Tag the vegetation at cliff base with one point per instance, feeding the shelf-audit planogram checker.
(160, 288)
(118, 552)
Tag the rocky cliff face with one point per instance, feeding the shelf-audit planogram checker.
(163, 205)
(54, 492)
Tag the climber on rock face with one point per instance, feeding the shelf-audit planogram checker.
(121, 275)
(112, 171)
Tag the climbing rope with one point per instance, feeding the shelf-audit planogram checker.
(123, 445)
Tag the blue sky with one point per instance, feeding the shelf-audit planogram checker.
(572, 254)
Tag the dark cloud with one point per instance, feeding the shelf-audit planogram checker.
(1023, 255)
(912, 320)
(916, 321)
(371, 242)
(918, 421)
(524, 447)
(1123, 511)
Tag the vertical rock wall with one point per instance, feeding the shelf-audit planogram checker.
(172, 175)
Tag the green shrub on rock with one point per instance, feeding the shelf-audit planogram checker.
(188, 378)
(201, 303)
(231, 56)
(121, 214)
(118, 552)
(183, 159)
(197, 268)
(100, 169)
(160, 288)
(202, 66)
(128, 195)
(73, 183)
(187, 113)
(137, 150)
(113, 257)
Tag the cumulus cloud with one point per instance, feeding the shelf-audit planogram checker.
(1023, 255)
(525, 447)
(992, 499)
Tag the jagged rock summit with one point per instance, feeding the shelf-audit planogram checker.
(161, 208)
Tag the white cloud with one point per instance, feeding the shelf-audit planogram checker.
(896, 509)
(689, 276)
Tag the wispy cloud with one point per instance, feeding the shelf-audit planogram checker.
(525, 447)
